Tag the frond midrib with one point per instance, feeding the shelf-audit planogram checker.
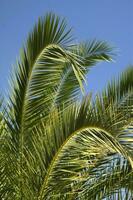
(21, 140)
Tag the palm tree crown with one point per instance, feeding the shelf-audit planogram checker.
(56, 142)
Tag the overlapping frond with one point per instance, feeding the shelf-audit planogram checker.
(77, 147)
(63, 155)
(91, 53)
(97, 115)
(54, 146)
(111, 177)
(49, 72)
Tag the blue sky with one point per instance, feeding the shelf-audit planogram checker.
(109, 20)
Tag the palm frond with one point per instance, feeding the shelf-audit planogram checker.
(111, 177)
(120, 90)
(71, 148)
(47, 62)
(54, 146)
(91, 53)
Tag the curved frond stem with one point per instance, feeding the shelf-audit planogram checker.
(113, 145)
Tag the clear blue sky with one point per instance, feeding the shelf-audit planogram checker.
(109, 20)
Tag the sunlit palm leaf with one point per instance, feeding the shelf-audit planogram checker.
(68, 142)
(108, 178)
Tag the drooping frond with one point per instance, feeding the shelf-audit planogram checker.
(74, 144)
(49, 72)
(91, 52)
(111, 177)
(98, 116)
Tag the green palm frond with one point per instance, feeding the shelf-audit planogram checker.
(91, 53)
(50, 70)
(76, 147)
(46, 65)
(112, 176)
(120, 90)
(56, 144)
(98, 115)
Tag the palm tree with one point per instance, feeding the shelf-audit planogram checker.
(56, 142)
